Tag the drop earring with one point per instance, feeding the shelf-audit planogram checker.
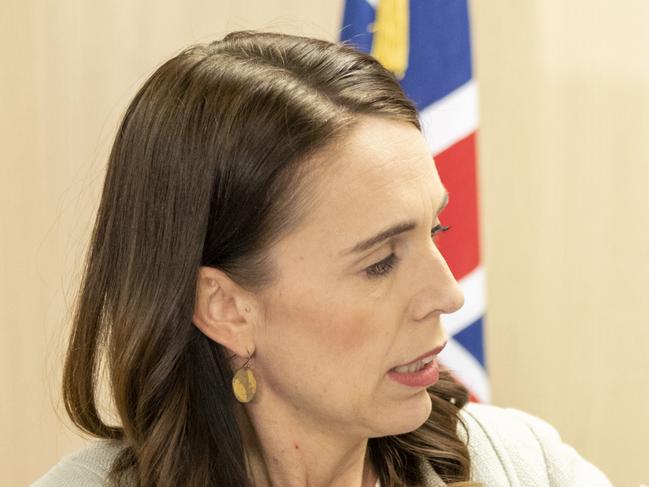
(244, 382)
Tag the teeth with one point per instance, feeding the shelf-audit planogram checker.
(418, 365)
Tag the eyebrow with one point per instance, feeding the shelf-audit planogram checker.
(392, 231)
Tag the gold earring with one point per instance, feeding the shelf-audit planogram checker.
(244, 383)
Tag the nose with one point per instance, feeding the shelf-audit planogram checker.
(455, 295)
(443, 293)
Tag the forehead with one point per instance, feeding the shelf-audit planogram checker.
(381, 167)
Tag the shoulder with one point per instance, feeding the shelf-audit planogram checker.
(87, 467)
(511, 447)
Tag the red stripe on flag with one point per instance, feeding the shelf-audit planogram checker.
(457, 170)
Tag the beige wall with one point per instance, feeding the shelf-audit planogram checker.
(564, 172)
(564, 163)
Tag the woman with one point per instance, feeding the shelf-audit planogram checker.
(263, 286)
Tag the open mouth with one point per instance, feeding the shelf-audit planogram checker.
(414, 367)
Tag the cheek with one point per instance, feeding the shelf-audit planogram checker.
(325, 340)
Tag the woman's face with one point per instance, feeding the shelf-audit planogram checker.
(333, 325)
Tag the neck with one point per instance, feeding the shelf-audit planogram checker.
(283, 450)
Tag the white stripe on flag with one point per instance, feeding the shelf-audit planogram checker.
(473, 287)
(451, 119)
(466, 369)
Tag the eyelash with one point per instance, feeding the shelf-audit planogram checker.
(386, 265)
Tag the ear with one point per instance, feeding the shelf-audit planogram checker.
(223, 311)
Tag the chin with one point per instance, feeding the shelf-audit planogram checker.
(409, 414)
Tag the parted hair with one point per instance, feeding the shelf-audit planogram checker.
(209, 167)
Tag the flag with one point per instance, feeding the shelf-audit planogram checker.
(426, 44)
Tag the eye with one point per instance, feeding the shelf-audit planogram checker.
(438, 229)
(383, 267)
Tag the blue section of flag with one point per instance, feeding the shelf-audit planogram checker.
(357, 18)
(472, 338)
(439, 60)
(440, 50)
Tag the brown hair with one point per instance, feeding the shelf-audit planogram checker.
(208, 169)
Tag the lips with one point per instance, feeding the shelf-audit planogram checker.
(434, 351)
